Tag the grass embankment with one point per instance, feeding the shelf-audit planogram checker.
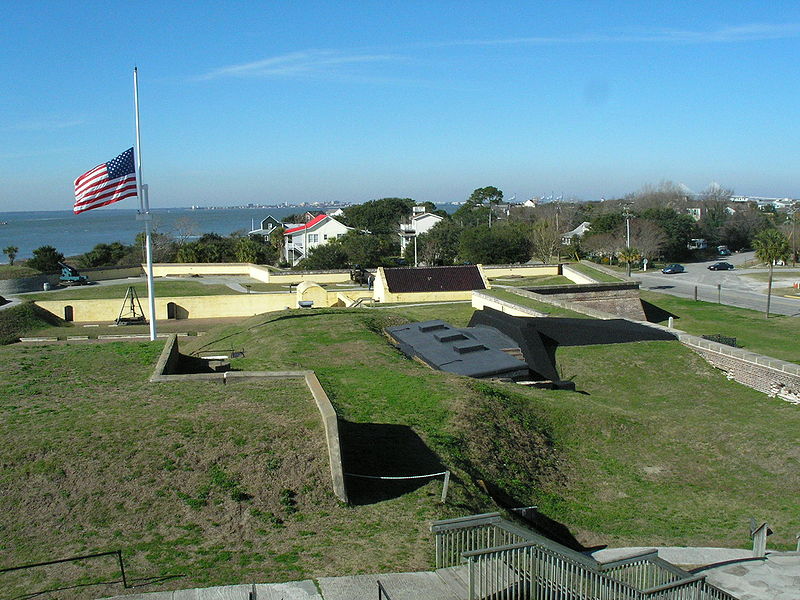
(190, 481)
(544, 307)
(632, 460)
(772, 337)
(531, 281)
(18, 321)
(15, 271)
(595, 274)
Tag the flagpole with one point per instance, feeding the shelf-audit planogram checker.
(144, 210)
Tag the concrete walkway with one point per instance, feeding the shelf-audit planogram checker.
(775, 577)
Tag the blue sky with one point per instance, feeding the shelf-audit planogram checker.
(306, 101)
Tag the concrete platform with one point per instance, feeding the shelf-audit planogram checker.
(425, 585)
(292, 590)
(775, 577)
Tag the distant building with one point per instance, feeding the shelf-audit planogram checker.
(696, 212)
(697, 244)
(580, 230)
(299, 239)
(419, 223)
(268, 225)
(763, 201)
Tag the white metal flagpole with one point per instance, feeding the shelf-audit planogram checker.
(144, 211)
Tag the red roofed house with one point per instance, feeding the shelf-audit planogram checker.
(306, 236)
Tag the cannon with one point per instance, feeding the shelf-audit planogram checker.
(70, 276)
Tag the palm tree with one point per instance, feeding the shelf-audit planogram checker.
(11, 252)
(629, 255)
(771, 246)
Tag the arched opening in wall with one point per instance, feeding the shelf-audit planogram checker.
(69, 314)
(171, 310)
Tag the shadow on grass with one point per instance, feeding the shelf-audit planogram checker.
(655, 314)
(383, 450)
(532, 518)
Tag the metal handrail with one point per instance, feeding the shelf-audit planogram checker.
(632, 572)
(382, 593)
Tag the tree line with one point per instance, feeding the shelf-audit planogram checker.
(652, 223)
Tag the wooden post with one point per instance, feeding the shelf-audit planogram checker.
(695, 293)
(719, 293)
(445, 485)
(759, 535)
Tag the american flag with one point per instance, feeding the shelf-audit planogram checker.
(107, 183)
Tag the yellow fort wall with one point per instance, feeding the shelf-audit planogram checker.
(520, 270)
(191, 307)
(413, 297)
(257, 272)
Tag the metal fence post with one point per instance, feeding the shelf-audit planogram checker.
(471, 579)
(122, 568)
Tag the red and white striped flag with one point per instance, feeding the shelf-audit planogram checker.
(107, 183)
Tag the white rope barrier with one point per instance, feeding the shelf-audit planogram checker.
(446, 482)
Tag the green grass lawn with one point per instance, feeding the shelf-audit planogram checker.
(777, 274)
(774, 337)
(164, 288)
(212, 484)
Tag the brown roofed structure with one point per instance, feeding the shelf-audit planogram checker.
(461, 278)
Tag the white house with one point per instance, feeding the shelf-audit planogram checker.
(306, 236)
(566, 238)
(419, 223)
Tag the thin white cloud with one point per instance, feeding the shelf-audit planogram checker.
(741, 33)
(307, 63)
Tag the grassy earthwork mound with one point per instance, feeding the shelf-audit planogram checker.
(216, 485)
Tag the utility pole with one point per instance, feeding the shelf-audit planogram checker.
(627, 214)
(795, 208)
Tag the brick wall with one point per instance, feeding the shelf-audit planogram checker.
(774, 377)
(620, 299)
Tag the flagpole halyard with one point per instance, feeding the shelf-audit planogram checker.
(144, 210)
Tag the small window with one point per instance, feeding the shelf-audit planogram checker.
(313, 238)
(324, 236)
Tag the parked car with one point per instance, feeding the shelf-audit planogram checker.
(723, 251)
(720, 266)
(673, 268)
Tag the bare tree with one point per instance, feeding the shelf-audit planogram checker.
(605, 245)
(545, 240)
(185, 228)
(665, 195)
(647, 237)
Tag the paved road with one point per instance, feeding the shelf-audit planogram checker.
(726, 287)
